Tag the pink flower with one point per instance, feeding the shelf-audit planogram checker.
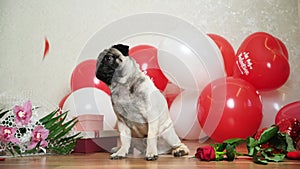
(7, 134)
(206, 153)
(39, 134)
(23, 113)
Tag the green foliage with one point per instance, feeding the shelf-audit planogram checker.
(58, 139)
(228, 148)
(272, 145)
(268, 134)
(3, 112)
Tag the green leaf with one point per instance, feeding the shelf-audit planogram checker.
(11, 151)
(269, 150)
(290, 144)
(250, 151)
(251, 142)
(49, 116)
(219, 158)
(70, 138)
(52, 121)
(235, 141)
(3, 113)
(278, 142)
(256, 159)
(268, 134)
(275, 157)
(53, 126)
(17, 149)
(65, 131)
(62, 129)
(66, 149)
(259, 161)
(219, 147)
(230, 152)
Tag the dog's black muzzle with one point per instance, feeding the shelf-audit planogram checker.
(106, 68)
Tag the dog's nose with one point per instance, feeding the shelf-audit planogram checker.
(108, 60)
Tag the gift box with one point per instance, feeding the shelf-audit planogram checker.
(102, 141)
(89, 122)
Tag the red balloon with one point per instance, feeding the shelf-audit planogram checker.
(289, 111)
(229, 108)
(227, 52)
(84, 76)
(261, 61)
(283, 48)
(146, 57)
(171, 92)
(62, 101)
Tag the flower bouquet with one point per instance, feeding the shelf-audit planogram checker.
(21, 133)
(269, 144)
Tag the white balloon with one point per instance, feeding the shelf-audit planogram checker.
(186, 55)
(183, 113)
(273, 101)
(91, 101)
(189, 68)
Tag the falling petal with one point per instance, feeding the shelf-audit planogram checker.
(46, 50)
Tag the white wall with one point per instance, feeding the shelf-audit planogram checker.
(68, 24)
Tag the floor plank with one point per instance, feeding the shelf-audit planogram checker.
(101, 160)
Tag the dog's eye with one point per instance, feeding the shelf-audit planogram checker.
(120, 59)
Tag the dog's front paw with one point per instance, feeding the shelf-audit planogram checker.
(116, 156)
(151, 157)
(180, 151)
(115, 149)
(120, 154)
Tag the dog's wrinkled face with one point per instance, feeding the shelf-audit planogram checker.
(109, 60)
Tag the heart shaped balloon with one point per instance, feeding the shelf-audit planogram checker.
(146, 57)
(261, 61)
(283, 48)
(227, 52)
(288, 111)
(84, 76)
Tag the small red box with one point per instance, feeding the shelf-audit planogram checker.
(104, 143)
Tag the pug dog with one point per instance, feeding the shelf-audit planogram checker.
(141, 109)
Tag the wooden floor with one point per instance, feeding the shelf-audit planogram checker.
(101, 160)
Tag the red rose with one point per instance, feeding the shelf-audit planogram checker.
(292, 128)
(206, 153)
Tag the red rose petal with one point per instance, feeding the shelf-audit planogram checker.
(46, 50)
(295, 155)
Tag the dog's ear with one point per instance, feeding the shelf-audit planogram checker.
(124, 49)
